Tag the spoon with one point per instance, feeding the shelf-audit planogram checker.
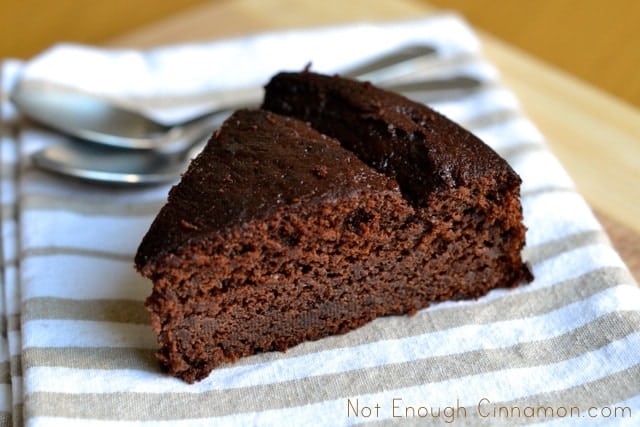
(161, 153)
(112, 165)
(94, 119)
(102, 163)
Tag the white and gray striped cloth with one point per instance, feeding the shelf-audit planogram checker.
(77, 348)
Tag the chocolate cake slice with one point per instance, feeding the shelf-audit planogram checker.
(276, 235)
(467, 198)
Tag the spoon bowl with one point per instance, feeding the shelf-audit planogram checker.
(101, 163)
(87, 117)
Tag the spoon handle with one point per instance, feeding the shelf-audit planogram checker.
(180, 139)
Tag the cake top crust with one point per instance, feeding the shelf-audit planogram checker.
(441, 152)
(255, 164)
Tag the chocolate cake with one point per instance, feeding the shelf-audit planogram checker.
(278, 234)
(467, 198)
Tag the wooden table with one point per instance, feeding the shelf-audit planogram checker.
(595, 136)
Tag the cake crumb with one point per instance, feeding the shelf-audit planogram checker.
(321, 171)
(188, 225)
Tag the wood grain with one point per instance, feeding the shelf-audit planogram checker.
(30, 26)
(594, 40)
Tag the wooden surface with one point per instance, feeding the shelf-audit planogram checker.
(595, 40)
(592, 39)
(30, 26)
(594, 134)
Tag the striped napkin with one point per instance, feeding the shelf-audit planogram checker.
(77, 347)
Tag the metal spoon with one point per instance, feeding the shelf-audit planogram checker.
(162, 153)
(94, 119)
(114, 165)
